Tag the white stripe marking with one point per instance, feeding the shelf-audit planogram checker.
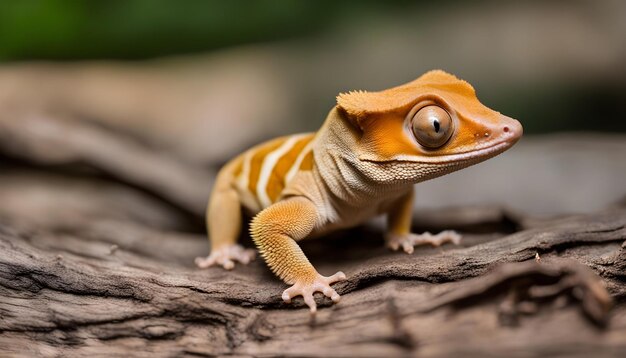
(296, 165)
(269, 162)
(248, 200)
(244, 176)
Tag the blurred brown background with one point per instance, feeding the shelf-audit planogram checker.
(203, 81)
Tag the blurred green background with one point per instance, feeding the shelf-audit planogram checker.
(139, 29)
(540, 75)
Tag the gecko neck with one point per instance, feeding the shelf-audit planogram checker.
(339, 169)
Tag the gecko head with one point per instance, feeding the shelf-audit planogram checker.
(425, 128)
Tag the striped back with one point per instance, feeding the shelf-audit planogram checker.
(266, 169)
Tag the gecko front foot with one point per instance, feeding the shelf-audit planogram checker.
(226, 257)
(307, 288)
(408, 241)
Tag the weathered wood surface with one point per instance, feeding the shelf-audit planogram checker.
(128, 286)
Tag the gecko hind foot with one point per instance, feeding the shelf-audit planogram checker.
(306, 289)
(409, 241)
(226, 257)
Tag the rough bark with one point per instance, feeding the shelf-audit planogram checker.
(119, 287)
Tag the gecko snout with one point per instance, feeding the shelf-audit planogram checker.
(511, 129)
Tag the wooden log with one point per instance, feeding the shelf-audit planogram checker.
(122, 288)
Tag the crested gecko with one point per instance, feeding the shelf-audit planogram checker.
(364, 161)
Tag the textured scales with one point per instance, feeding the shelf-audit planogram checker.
(363, 162)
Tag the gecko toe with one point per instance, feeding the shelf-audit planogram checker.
(332, 294)
(228, 264)
(287, 296)
(203, 262)
(310, 301)
(407, 246)
(339, 276)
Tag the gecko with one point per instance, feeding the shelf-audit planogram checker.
(363, 162)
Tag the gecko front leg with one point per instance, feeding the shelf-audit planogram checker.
(399, 228)
(275, 231)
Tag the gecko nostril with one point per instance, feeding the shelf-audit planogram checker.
(505, 129)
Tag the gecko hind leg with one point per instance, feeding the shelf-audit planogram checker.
(223, 221)
(410, 240)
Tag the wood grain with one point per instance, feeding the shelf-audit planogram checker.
(120, 288)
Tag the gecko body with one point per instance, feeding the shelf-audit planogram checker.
(363, 162)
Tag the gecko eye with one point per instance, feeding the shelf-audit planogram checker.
(432, 126)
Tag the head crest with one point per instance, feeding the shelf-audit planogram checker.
(359, 105)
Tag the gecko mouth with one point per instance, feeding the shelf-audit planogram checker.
(475, 154)
(480, 154)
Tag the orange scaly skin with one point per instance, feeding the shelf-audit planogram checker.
(363, 162)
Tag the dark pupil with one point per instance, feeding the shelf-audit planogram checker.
(436, 124)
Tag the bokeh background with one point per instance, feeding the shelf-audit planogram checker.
(115, 116)
(202, 80)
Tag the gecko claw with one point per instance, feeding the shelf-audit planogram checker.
(306, 289)
(226, 257)
(409, 241)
